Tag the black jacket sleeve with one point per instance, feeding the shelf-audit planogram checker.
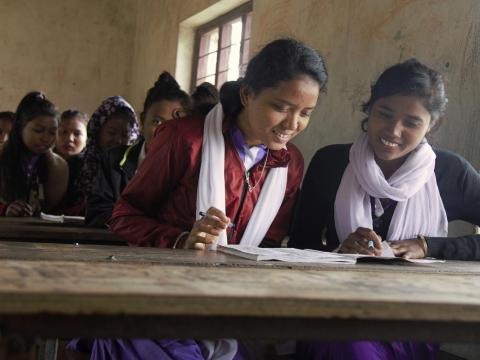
(459, 186)
(313, 225)
(103, 196)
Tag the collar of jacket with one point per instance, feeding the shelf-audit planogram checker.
(276, 158)
(129, 160)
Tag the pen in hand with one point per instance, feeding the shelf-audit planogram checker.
(371, 246)
(204, 214)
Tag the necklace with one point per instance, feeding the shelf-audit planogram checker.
(247, 174)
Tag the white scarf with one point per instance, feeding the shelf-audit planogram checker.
(211, 192)
(419, 207)
(211, 184)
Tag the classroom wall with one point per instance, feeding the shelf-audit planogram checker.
(80, 51)
(77, 51)
(358, 38)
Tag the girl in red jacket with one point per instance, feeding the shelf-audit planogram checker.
(236, 165)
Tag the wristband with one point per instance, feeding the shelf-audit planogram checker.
(179, 238)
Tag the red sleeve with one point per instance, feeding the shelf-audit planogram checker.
(3, 209)
(134, 216)
(281, 224)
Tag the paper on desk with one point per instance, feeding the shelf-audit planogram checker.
(62, 218)
(285, 254)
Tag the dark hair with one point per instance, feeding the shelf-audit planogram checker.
(13, 182)
(204, 98)
(281, 60)
(411, 78)
(72, 113)
(7, 115)
(165, 88)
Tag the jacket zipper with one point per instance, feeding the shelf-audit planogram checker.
(246, 174)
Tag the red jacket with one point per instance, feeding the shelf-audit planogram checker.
(159, 203)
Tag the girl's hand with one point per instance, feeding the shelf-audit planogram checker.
(19, 208)
(409, 249)
(357, 243)
(206, 230)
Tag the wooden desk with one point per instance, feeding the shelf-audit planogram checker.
(36, 229)
(99, 291)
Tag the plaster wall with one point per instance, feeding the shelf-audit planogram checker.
(77, 51)
(358, 38)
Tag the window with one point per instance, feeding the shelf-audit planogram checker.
(223, 47)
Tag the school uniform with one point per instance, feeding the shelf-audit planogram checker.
(458, 184)
(116, 169)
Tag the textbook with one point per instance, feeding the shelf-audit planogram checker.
(63, 218)
(313, 256)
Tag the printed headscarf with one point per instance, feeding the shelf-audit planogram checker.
(92, 151)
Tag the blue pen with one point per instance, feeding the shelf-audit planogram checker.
(204, 214)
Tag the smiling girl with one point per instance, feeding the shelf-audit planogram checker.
(390, 184)
(32, 177)
(236, 164)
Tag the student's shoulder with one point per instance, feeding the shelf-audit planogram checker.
(447, 159)
(55, 160)
(332, 154)
(57, 166)
(186, 127)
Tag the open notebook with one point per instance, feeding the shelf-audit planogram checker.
(314, 256)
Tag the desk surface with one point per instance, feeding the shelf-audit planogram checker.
(59, 289)
(36, 229)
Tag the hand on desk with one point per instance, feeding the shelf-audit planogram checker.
(408, 249)
(357, 243)
(19, 208)
(207, 229)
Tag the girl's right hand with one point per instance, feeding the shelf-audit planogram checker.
(357, 243)
(206, 230)
(19, 208)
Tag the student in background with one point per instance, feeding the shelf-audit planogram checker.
(390, 184)
(204, 98)
(241, 150)
(6, 123)
(71, 134)
(114, 123)
(32, 177)
(118, 165)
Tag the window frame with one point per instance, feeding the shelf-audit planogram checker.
(241, 11)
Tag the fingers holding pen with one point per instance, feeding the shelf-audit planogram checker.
(207, 229)
(362, 241)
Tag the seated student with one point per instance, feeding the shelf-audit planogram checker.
(118, 165)
(242, 150)
(391, 185)
(32, 177)
(6, 123)
(114, 123)
(71, 134)
(204, 98)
